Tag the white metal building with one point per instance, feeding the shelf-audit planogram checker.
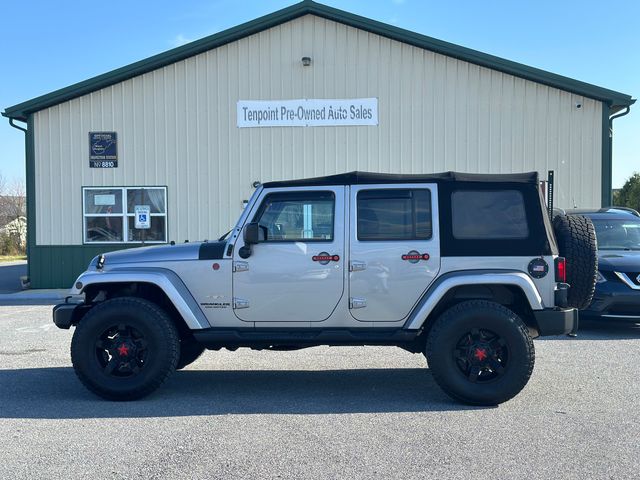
(186, 133)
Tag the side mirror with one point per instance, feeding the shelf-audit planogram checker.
(254, 233)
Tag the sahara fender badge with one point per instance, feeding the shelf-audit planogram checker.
(538, 268)
(414, 256)
(324, 258)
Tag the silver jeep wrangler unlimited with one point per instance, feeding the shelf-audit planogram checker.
(463, 268)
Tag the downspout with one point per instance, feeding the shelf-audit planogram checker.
(12, 123)
(29, 226)
(610, 127)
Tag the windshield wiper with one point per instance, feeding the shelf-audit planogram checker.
(225, 235)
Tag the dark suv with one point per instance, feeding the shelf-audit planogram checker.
(617, 295)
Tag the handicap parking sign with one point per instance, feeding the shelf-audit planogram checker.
(142, 216)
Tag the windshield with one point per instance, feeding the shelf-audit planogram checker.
(617, 234)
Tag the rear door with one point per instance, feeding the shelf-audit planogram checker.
(296, 274)
(394, 249)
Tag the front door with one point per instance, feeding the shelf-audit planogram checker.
(395, 249)
(296, 274)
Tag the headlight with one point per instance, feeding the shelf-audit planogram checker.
(600, 278)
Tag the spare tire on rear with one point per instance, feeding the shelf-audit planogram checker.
(577, 243)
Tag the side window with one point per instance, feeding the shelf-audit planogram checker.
(297, 216)
(398, 214)
(488, 215)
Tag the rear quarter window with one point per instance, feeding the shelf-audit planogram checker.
(488, 215)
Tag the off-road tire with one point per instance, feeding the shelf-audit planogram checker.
(161, 348)
(190, 351)
(442, 348)
(577, 243)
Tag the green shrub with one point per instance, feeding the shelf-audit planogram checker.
(629, 194)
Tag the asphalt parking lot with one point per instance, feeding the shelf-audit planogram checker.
(318, 413)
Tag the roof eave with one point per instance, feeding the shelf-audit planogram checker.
(612, 98)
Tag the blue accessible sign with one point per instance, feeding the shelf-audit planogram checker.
(142, 216)
(103, 150)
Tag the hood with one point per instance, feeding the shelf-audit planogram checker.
(156, 253)
(619, 260)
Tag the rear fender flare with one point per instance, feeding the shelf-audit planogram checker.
(168, 281)
(436, 292)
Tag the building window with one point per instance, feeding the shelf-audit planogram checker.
(109, 214)
(488, 214)
(298, 216)
(397, 214)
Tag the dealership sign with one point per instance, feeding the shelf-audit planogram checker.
(310, 112)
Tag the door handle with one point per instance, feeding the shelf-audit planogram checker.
(240, 266)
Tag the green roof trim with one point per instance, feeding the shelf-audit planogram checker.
(615, 100)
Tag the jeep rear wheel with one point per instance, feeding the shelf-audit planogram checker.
(480, 353)
(124, 348)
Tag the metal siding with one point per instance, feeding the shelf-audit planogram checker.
(176, 126)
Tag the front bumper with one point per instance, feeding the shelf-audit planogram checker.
(615, 301)
(67, 314)
(556, 321)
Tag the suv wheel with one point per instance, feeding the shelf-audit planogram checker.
(125, 348)
(480, 353)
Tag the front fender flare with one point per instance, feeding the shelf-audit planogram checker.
(168, 281)
(444, 284)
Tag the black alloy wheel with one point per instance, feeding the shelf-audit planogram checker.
(481, 355)
(121, 350)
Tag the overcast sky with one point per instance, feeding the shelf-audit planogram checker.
(49, 45)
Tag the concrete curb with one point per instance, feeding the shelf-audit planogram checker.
(36, 297)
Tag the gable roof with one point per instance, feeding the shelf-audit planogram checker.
(615, 100)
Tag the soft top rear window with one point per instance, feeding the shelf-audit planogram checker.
(488, 215)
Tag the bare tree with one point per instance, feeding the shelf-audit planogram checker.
(3, 185)
(14, 202)
(13, 222)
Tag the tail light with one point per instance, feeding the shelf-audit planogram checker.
(561, 270)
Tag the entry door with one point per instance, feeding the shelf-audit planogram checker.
(296, 274)
(395, 250)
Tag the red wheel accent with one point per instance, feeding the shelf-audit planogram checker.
(480, 354)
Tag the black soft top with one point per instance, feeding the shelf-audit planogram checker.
(364, 178)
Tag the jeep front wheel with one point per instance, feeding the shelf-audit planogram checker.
(125, 348)
(480, 353)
